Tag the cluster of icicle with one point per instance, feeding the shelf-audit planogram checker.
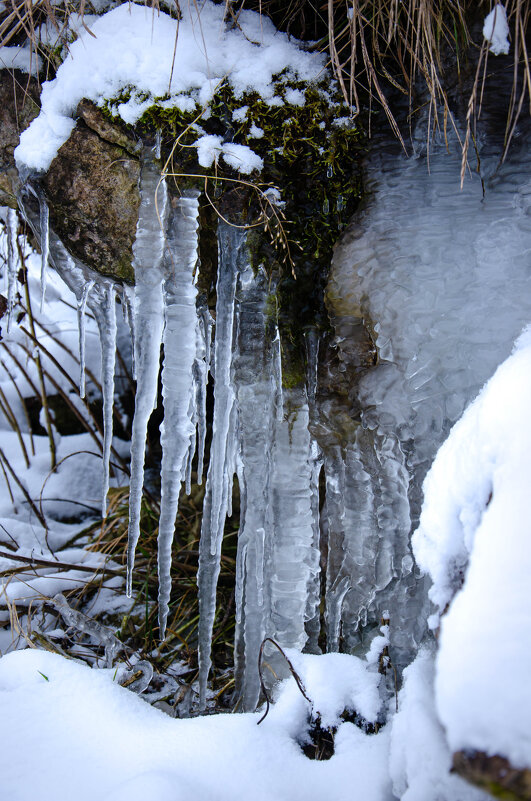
(259, 434)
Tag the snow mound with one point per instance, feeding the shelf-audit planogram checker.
(55, 708)
(162, 60)
(473, 540)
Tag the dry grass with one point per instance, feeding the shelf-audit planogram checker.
(375, 47)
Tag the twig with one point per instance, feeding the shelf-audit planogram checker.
(32, 560)
(293, 672)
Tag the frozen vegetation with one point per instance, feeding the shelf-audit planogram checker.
(442, 280)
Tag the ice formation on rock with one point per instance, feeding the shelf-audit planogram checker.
(262, 434)
(442, 277)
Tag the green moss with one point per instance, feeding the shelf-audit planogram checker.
(311, 154)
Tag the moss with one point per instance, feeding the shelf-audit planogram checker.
(311, 153)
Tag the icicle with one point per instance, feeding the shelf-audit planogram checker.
(312, 615)
(178, 436)
(295, 556)
(201, 368)
(128, 295)
(148, 253)
(104, 310)
(311, 339)
(277, 374)
(44, 222)
(81, 309)
(231, 243)
(12, 263)
(337, 584)
(256, 380)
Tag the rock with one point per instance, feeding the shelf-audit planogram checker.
(19, 105)
(495, 774)
(112, 132)
(92, 191)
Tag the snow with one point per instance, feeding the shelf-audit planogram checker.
(241, 157)
(420, 760)
(207, 54)
(496, 30)
(473, 540)
(20, 58)
(52, 708)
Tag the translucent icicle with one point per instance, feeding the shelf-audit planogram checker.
(294, 566)
(128, 295)
(12, 263)
(257, 391)
(231, 243)
(44, 222)
(81, 309)
(277, 373)
(313, 616)
(148, 254)
(104, 309)
(201, 368)
(178, 386)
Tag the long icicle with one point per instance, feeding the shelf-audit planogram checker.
(178, 390)
(81, 309)
(148, 254)
(12, 264)
(105, 314)
(219, 481)
(44, 221)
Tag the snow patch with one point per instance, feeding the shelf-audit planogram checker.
(496, 30)
(473, 540)
(207, 54)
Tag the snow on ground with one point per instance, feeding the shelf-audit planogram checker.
(420, 759)
(473, 540)
(53, 743)
(32, 493)
(207, 54)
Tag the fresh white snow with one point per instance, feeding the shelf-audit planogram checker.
(473, 540)
(207, 53)
(496, 30)
(53, 708)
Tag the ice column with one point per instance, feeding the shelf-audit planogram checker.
(178, 379)
(256, 396)
(103, 306)
(294, 567)
(148, 257)
(218, 491)
(12, 262)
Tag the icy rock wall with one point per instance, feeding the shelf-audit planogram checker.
(443, 277)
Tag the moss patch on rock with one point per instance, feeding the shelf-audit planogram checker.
(296, 206)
